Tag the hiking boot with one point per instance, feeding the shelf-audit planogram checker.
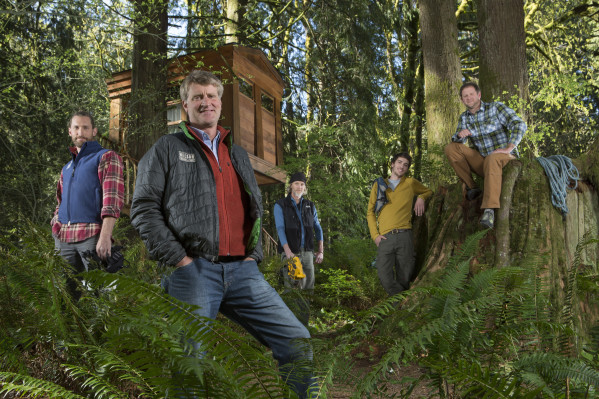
(488, 218)
(473, 193)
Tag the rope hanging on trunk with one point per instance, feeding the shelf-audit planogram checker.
(561, 173)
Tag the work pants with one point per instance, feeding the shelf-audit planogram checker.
(300, 304)
(465, 160)
(395, 261)
(72, 252)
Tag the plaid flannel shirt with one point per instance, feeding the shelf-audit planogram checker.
(110, 173)
(493, 126)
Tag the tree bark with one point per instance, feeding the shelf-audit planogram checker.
(310, 96)
(409, 79)
(503, 69)
(147, 109)
(234, 21)
(419, 109)
(442, 77)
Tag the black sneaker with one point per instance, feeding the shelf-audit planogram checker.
(473, 193)
(488, 218)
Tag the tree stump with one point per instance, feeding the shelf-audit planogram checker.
(527, 228)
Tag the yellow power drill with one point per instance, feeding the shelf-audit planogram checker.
(295, 269)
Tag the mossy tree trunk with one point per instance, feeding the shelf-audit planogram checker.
(442, 78)
(409, 79)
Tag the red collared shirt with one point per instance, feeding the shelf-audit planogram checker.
(110, 173)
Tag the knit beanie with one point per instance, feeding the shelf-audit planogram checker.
(297, 176)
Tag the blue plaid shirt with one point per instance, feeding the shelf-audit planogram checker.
(493, 126)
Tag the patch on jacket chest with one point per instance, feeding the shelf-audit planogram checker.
(186, 157)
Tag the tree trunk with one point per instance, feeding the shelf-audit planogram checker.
(310, 96)
(442, 77)
(503, 70)
(419, 109)
(234, 21)
(147, 109)
(409, 79)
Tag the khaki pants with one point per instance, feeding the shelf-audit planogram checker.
(465, 160)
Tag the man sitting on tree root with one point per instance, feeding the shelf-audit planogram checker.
(493, 131)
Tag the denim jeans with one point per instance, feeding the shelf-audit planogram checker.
(240, 292)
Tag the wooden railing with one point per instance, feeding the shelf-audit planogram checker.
(269, 244)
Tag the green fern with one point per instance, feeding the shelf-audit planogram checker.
(124, 337)
(239, 362)
(478, 382)
(467, 325)
(32, 387)
(557, 371)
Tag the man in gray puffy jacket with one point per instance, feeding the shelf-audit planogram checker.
(198, 208)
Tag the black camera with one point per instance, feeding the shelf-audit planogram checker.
(113, 264)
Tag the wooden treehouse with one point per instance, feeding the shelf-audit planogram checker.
(251, 103)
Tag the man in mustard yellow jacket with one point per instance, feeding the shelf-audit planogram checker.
(389, 220)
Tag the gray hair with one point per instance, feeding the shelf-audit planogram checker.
(200, 77)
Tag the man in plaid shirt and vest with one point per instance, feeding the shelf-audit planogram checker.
(493, 131)
(90, 195)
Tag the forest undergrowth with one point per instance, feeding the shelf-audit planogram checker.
(492, 334)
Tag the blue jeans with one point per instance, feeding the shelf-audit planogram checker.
(240, 292)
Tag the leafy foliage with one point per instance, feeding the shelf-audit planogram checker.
(340, 285)
(490, 334)
(54, 59)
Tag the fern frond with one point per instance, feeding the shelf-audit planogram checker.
(35, 292)
(378, 312)
(424, 338)
(101, 387)
(553, 367)
(477, 382)
(239, 363)
(21, 384)
(136, 367)
(467, 249)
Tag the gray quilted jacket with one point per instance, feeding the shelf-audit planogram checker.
(174, 206)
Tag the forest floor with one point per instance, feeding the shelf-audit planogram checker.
(397, 383)
(363, 359)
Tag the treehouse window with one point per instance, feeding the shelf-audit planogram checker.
(173, 116)
(268, 103)
(246, 88)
